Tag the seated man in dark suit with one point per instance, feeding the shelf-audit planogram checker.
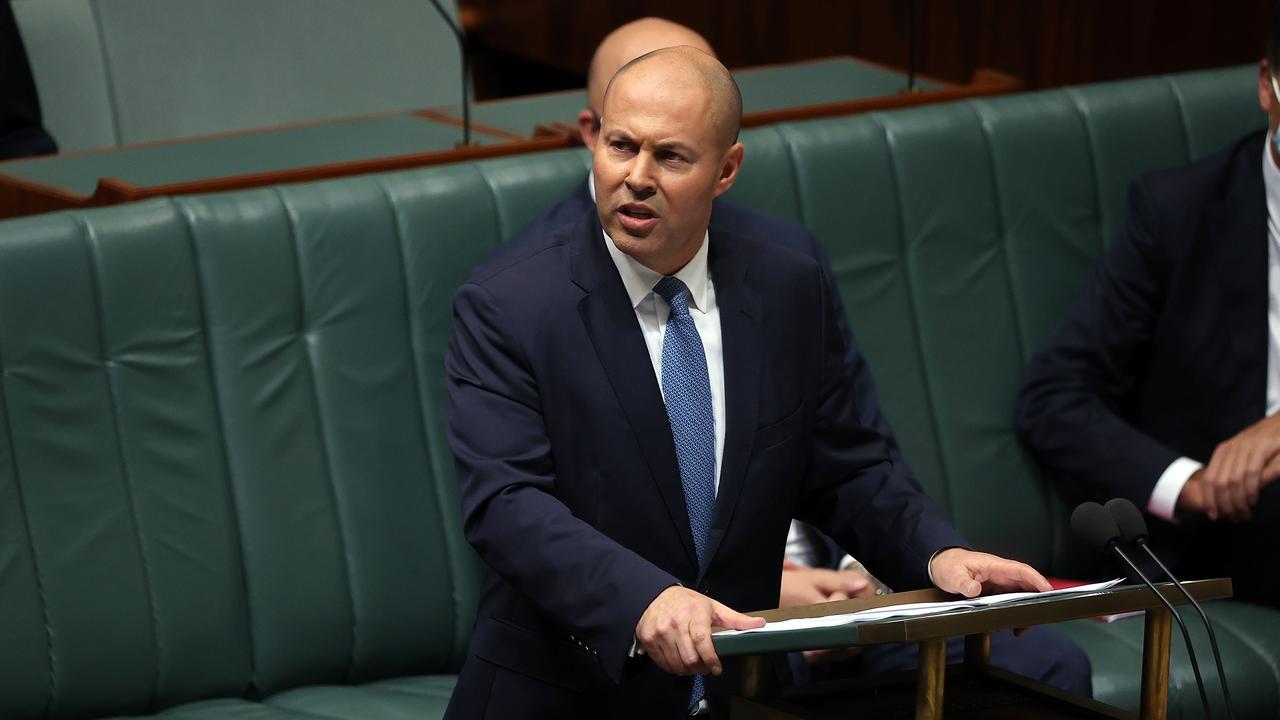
(1162, 384)
(815, 570)
(21, 133)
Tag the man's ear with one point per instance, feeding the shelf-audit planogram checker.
(729, 167)
(588, 128)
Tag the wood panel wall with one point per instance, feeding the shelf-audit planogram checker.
(531, 45)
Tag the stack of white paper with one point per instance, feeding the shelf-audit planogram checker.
(911, 609)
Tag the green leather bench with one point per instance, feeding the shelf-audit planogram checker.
(225, 490)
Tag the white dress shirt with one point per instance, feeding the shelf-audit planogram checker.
(1164, 497)
(652, 313)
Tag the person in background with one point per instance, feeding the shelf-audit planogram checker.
(21, 131)
(1162, 383)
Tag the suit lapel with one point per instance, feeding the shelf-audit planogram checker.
(610, 322)
(740, 336)
(1238, 229)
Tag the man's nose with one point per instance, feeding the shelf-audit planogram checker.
(640, 175)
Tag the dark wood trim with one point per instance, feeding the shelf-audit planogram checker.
(112, 191)
(985, 83)
(19, 197)
(446, 119)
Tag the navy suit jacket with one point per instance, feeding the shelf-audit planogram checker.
(1164, 352)
(569, 482)
(737, 220)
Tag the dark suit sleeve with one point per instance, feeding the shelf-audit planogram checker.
(21, 132)
(1068, 411)
(853, 491)
(590, 585)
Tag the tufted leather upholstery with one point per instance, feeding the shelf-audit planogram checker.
(224, 486)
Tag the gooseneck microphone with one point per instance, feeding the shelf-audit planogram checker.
(1134, 530)
(466, 71)
(1095, 526)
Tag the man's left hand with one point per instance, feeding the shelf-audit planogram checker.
(970, 573)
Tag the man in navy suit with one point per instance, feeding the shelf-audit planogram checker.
(1162, 384)
(639, 404)
(816, 569)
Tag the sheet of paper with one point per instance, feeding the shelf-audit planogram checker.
(913, 609)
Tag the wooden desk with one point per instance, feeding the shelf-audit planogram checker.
(239, 160)
(984, 691)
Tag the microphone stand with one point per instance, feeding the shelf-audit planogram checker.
(466, 72)
(1213, 640)
(1186, 636)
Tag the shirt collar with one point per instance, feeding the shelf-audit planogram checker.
(1271, 181)
(639, 280)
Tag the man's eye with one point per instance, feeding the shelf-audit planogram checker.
(620, 145)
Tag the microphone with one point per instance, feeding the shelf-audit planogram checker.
(1095, 525)
(466, 71)
(911, 46)
(1134, 529)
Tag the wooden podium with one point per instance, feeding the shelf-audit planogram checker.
(973, 690)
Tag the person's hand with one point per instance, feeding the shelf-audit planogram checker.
(803, 585)
(1239, 468)
(675, 631)
(970, 573)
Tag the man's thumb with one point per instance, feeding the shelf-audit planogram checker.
(970, 588)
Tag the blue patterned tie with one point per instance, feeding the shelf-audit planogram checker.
(686, 388)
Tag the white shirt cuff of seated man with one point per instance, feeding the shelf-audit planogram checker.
(1164, 496)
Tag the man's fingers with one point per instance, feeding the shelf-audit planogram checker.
(705, 649)
(830, 582)
(1271, 470)
(837, 595)
(690, 661)
(1254, 462)
(726, 617)
(1030, 578)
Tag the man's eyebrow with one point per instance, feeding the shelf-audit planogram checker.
(677, 146)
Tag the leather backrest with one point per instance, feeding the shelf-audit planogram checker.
(223, 466)
(114, 72)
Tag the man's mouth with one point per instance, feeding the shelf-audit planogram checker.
(637, 218)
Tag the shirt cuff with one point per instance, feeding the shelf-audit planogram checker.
(847, 561)
(1164, 496)
(928, 567)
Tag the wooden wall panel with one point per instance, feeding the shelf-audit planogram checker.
(546, 44)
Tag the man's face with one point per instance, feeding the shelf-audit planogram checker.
(658, 165)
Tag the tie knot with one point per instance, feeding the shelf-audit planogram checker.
(675, 293)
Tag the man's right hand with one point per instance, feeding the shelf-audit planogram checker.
(1228, 486)
(675, 631)
(803, 585)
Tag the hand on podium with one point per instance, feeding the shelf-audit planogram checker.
(971, 574)
(675, 630)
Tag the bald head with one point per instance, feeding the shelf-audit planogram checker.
(629, 42)
(688, 70)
